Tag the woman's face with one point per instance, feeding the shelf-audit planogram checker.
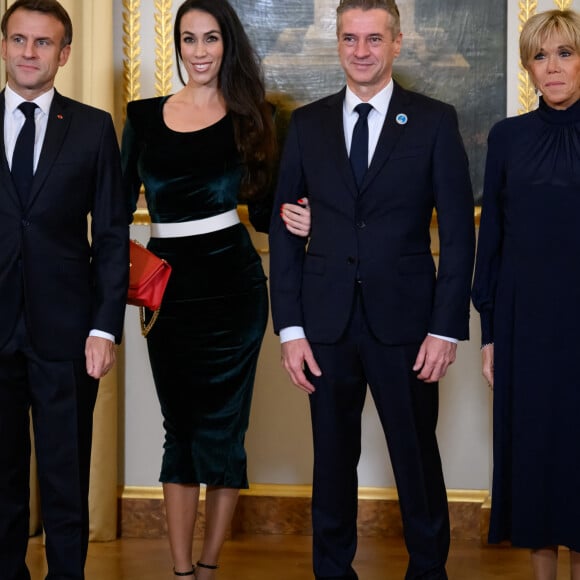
(202, 47)
(555, 71)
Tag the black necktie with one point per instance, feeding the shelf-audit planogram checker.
(359, 147)
(23, 158)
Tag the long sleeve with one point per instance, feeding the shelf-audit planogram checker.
(454, 205)
(490, 237)
(260, 213)
(110, 238)
(287, 250)
(130, 151)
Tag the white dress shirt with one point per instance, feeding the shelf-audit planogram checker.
(13, 122)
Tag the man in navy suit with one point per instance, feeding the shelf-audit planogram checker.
(63, 285)
(361, 301)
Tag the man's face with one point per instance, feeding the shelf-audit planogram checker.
(367, 49)
(33, 52)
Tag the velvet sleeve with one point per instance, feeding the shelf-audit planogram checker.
(130, 152)
(260, 213)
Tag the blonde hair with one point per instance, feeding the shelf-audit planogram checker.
(390, 6)
(563, 23)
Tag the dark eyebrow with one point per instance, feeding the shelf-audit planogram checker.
(36, 38)
(216, 31)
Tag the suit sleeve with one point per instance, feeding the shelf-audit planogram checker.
(110, 237)
(454, 205)
(490, 238)
(287, 250)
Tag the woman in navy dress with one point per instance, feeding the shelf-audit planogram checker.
(198, 153)
(527, 290)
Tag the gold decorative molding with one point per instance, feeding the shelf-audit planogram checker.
(563, 4)
(163, 50)
(527, 97)
(526, 92)
(527, 8)
(285, 509)
(132, 51)
(477, 496)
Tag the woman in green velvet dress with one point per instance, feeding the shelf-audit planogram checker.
(198, 153)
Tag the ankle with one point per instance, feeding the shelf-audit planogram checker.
(190, 572)
(205, 571)
(207, 566)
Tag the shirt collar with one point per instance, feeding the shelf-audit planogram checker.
(380, 101)
(13, 99)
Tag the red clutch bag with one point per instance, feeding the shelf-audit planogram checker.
(148, 277)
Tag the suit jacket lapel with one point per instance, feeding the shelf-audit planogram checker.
(390, 133)
(333, 125)
(5, 174)
(59, 118)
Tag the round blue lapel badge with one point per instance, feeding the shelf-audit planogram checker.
(401, 119)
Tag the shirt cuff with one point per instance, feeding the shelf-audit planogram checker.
(291, 333)
(453, 340)
(102, 334)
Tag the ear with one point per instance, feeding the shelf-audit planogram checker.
(398, 40)
(63, 56)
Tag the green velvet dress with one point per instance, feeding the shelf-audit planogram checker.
(204, 346)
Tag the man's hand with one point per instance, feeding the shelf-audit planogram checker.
(487, 363)
(435, 356)
(295, 354)
(100, 356)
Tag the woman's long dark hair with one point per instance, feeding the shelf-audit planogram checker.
(242, 85)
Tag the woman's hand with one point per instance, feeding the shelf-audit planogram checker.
(487, 363)
(296, 217)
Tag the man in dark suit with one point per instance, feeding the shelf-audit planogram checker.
(362, 302)
(63, 284)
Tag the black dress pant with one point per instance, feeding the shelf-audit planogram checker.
(408, 410)
(61, 397)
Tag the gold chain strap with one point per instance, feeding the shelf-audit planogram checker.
(145, 328)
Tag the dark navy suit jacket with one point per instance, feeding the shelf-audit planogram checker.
(376, 239)
(67, 282)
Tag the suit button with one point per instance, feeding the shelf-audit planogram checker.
(351, 260)
(25, 223)
(361, 224)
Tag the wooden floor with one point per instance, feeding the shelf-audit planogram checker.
(288, 558)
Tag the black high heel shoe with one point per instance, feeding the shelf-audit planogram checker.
(189, 573)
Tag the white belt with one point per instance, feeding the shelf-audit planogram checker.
(196, 227)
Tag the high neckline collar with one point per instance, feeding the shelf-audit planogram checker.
(559, 116)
